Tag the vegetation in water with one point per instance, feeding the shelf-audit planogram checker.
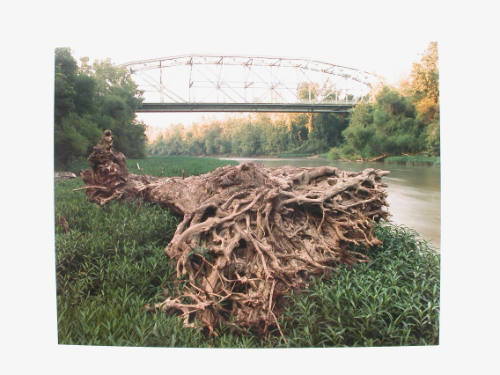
(413, 160)
(110, 263)
(293, 155)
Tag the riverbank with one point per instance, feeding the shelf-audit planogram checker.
(110, 263)
(414, 160)
(401, 159)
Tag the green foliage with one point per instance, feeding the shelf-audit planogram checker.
(65, 64)
(346, 152)
(88, 100)
(424, 89)
(64, 96)
(85, 94)
(260, 134)
(392, 300)
(74, 137)
(328, 127)
(393, 127)
(413, 160)
(425, 75)
(433, 138)
(165, 166)
(398, 122)
(388, 126)
(110, 263)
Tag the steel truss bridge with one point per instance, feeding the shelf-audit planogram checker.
(229, 83)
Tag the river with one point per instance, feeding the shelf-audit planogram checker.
(414, 193)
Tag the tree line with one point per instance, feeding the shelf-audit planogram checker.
(257, 134)
(89, 99)
(399, 120)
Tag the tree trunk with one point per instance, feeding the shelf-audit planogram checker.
(249, 235)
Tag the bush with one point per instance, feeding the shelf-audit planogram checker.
(390, 125)
(344, 152)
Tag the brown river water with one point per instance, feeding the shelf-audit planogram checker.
(414, 193)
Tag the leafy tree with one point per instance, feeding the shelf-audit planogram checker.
(64, 84)
(298, 130)
(89, 99)
(327, 129)
(398, 122)
(84, 94)
(64, 96)
(117, 100)
(307, 91)
(65, 64)
(425, 76)
(424, 87)
(390, 125)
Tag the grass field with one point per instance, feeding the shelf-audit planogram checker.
(167, 166)
(110, 263)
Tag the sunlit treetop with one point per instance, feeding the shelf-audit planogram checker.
(424, 78)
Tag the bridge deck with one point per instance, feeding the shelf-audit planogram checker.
(245, 107)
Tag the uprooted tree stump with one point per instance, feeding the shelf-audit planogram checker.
(249, 235)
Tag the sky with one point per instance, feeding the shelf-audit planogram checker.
(376, 41)
(380, 36)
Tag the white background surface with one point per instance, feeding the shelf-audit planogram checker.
(468, 46)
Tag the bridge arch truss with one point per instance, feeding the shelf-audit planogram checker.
(195, 82)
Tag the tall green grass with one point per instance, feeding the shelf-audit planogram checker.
(165, 166)
(110, 263)
(392, 300)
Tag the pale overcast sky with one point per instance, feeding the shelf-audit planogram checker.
(380, 37)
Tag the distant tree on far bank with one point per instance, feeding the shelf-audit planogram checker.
(259, 134)
(390, 125)
(88, 99)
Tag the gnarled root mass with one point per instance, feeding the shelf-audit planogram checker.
(249, 235)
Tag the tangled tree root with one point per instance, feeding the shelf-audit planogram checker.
(249, 235)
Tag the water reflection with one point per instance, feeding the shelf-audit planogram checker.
(414, 193)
